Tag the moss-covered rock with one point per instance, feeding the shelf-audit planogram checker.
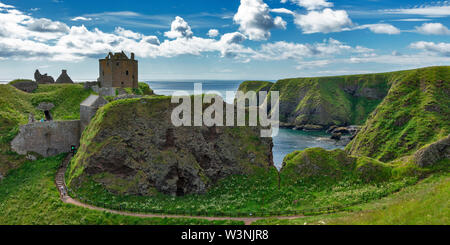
(371, 170)
(431, 154)
(316, 163)
(415, 112)
(131, 147)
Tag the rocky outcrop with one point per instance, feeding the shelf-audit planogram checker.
(131, 147)
(43, 79)
(64, 78)
(26, 86)
(433, 153)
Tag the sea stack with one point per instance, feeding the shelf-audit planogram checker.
(64, 78)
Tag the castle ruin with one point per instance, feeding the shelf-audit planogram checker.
(118, 71)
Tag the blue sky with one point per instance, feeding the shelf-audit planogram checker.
(217, 39)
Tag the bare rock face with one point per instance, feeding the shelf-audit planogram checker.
(43, 79)
(433, 153)
(131, 147)
(64, 78)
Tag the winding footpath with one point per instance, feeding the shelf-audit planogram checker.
(61, 185)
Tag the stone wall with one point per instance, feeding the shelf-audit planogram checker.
(47, 138)
(88, 108)
(104, 91)
(26, 86)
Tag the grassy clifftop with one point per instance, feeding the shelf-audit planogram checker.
(415, 112)
(16, 105)
(255, 86)
(336, 100)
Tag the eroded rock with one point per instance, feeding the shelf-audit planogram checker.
(433, 153)
(136, 150)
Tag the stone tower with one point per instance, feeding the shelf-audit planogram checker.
(118, 71)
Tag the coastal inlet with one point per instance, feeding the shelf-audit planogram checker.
(287, 141)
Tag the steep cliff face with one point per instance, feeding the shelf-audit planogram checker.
(326, 101)
(256, 86)
(131, 147)
(414, 113)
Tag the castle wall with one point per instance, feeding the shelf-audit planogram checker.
(119, 73)
(47, 138)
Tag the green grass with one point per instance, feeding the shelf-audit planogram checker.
(15, 106)
(28, 196)
(254, 195)
(19, 80)
(256, 86)
(339, 100)
(414, 113)
(143, 89)
(423, 204)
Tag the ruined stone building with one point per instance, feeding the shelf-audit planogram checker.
(64, 78)
(118, 71)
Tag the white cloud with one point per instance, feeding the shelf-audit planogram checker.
(412, 20)
(154, 40)
(127, 33)
(2, 5)
(46, 25)
(381, 28)
(433, 29)
(437, 48)
(232, 38)
(179, 29)
(298, 51)
(255, 21)
(427, 10)
(324, 21)
(282, 11)
(311, 4)
(81, 18)
(213, 33)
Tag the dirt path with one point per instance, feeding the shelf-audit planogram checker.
(61, 185)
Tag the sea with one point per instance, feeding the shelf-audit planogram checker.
(285, 142)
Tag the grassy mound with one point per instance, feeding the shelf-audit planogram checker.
(317, 164)
(15, 106)
(414, 113)
(28, 196)
(423, 204)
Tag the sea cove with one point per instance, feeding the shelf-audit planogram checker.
(285, 142)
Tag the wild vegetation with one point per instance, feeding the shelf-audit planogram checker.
(414, 113)
(28, 196)
(16, 105)
(376, 180)
(425, 203)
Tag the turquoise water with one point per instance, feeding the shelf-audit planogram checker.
(287, 140)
